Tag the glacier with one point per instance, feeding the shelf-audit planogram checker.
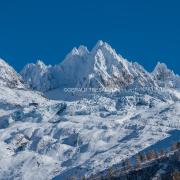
(48, 133)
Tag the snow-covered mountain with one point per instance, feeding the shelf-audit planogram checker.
(102, 67)
(165, 77)
(39, 76)
(9, 77)
(41, 138)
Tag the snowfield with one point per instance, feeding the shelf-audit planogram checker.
(57, 134)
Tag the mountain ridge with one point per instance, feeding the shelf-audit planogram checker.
(9, 77)
(100, 68)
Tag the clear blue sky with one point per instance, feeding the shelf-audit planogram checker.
(143, 31)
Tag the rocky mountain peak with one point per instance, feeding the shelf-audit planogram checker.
(101, 67)
(9, 77)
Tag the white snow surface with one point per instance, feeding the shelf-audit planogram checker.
(79, 134)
